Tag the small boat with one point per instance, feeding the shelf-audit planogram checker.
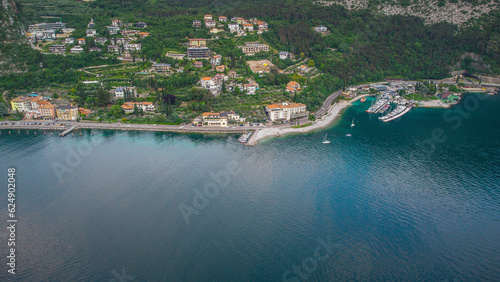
(352, 123)
(348, 135)
(363, 99)
(326, 141)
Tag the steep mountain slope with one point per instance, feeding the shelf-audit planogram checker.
(457, 12)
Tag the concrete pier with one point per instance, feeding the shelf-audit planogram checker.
(67, 131)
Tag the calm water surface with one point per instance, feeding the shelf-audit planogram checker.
(417, 198)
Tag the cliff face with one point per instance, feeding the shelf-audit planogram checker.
(11, 35)
(432, 11)
(11, 28)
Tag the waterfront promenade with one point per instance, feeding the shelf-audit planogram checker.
(327, 119)
(326, 115)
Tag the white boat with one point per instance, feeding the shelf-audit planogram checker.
(352, 123)
(326, 141)
(348, 135)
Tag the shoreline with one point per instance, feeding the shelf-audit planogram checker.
(326, 120)
(259, 133)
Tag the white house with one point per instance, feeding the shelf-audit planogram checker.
(286, 111)
(76, 50)
(233, 27)
(285, 55)
(216, 60)
(91, 33)
(132, 46)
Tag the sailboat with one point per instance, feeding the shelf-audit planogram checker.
(326, 141)
(352, 123)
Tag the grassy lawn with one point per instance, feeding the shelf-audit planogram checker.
(420, 97)
(302, 125)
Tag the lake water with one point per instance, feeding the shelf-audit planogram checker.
(417, 198)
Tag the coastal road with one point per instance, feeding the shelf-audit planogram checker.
(327, 103)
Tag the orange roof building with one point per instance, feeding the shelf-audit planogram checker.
(286, 111)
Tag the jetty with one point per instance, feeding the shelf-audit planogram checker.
(67, 131)
(253, 138)
(397, 113)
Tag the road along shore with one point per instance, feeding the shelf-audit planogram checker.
(332, 113)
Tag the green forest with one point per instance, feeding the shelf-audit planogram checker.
(362, 46)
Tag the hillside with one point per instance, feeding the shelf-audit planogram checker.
(432, 11)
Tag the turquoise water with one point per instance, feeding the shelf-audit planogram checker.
(414, 199)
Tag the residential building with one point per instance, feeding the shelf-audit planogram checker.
(262, 26)
(285, 55)
(294, 85)
(117, 23)
(251, 88)
(216, 60)
(113, 30)
(162, 68)
(198, 64)
(67, 30)
(207, 17)
(31, 115)
(248, 27)
(61, 35)
(230, 115)
(91, 24)
(214, 120)
(206, 82)
(38, 101)
(198, 52)
(80, 41)
(141, 25)
(220, 68)
(321, 29)
(100, 40)
(143, 34)
(119, 92)
(85, 112)
(210, 23)
(49, 34)
(213, 85)
(114, 48)
(128, 107)
(196, 23)
(215, 30)
(67, 112)
(43, 26)
(21, 104)
(120, 41)
(129, 32)
(286, 111)
(222, 19)
(132, 46)
(91, 32)
(48, 110)
(57, 49)
(197, 42)
(241, 21)
(76, 50)
(233, 27)
(175, 56)
(251, 48)
(68, 41)
(95, 49)
(234, 19)
(232, 74)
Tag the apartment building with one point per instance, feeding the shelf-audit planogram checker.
(286, 111)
